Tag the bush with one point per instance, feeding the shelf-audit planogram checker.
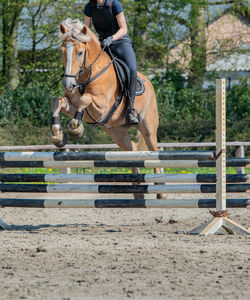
(178, 102)
(24, 134)
(5, 107)
(33, 103)
(188, 114)
(187, 131)
(238, 106)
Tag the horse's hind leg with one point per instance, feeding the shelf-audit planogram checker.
(58, 137)
(120, 136)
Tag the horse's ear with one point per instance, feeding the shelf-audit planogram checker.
(62, 29)
(84, 30)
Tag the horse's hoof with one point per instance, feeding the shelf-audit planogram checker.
(161, 195)
(76, 133)
(59, 141)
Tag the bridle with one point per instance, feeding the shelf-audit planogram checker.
(83, 69)
(84, 60)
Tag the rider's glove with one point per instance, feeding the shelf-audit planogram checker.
(107, 42)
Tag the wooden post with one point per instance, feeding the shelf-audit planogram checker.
(220, 216)
(220, 144)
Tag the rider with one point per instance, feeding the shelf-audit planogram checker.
(110, 24)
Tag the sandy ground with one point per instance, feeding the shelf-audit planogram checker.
(121, 254)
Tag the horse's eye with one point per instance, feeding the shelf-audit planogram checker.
(80, 53)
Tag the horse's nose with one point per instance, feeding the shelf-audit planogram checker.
(70, 88)
(73, 86)
(69, 83)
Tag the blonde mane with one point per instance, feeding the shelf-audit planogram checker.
(73, 28)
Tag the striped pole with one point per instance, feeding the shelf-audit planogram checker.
(119, 203)
(106, 156)
(120, 189)
(92, 178)
(232, 162)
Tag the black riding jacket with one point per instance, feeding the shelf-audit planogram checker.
(104, 21)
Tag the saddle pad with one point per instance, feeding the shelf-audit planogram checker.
(123, 74)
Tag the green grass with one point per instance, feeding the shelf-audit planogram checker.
(113, 170)
(230, 170)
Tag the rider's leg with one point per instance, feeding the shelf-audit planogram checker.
(132, 116)
(123, 49)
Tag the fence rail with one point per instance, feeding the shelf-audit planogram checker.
(114, 146)
(239, 148)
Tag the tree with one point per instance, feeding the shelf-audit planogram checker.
(41, 22)
(151, 28)
(196, 24)
(197, 27)
(11, 11)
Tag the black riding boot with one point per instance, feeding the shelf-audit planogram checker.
(132, 116)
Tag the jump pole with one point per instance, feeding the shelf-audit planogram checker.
(119, 203)
(220, 216)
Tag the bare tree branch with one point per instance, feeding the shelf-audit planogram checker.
(182, 21)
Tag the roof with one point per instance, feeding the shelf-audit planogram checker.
(234, 62)
(226, 36)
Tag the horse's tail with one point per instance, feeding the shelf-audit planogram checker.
(141, 142)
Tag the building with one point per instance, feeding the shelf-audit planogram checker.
(228, 48)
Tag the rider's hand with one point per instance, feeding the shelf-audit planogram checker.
(107, 42)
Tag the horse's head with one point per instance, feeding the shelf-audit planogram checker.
(75, 37)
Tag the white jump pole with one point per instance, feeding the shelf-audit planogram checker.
(220, 215)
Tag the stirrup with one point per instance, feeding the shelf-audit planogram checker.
(132, 117)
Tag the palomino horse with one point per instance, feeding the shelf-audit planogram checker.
(84, 59)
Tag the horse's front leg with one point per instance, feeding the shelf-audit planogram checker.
(58, 137)
(75, 127)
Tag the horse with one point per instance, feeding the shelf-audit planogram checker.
(84, 61)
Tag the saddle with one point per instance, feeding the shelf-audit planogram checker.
(123, 75)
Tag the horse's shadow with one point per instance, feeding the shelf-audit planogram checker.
(39, 228)
(83, 226)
